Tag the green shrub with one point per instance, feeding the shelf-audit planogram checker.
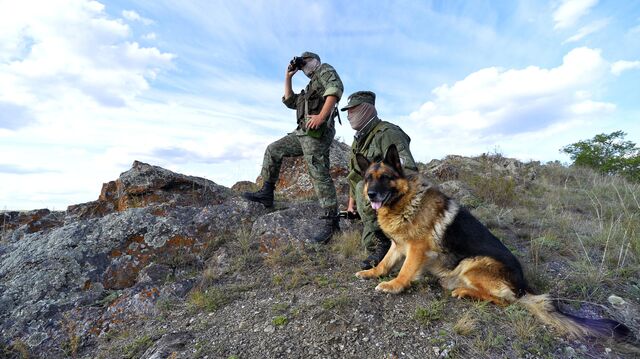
(608, 154)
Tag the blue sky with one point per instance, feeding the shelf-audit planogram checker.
(87, 87)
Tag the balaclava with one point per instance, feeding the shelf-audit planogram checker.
(310, 67)
(360, 115)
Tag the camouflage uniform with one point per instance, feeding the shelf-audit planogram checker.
(372, 142)
(313, 145)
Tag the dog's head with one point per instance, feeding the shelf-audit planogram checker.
(384, 181)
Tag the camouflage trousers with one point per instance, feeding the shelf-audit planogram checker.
(315, 152)
(369, 219)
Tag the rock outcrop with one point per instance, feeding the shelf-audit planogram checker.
(104, 263)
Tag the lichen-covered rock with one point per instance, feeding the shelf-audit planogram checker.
(296, 224)
(145, 184)
(28, 222)
(169, 345)
(147, 226)
(461, 193)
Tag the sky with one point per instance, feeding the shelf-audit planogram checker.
(88, 87)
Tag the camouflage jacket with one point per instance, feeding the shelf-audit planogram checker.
(373, 142)
(324, 82)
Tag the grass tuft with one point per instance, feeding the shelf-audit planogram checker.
(347, 244)
(209, 300)
(466, 324)
(434, 310)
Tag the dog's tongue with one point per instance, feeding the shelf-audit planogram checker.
(376, 205)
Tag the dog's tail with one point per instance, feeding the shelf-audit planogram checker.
(545, 309)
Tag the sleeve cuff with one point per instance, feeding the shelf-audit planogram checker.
(290, 101)
(333, 91)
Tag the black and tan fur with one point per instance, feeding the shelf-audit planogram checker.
(431, 233)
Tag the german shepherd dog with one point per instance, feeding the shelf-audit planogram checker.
(433, 234)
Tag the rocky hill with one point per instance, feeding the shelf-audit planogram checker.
(165, 265)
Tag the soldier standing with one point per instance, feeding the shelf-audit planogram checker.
(372, 139)
(315, 111)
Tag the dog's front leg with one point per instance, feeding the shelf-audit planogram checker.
(385, 266)
(411, 269)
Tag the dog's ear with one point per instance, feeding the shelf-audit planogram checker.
(363, 163)
(392, 158)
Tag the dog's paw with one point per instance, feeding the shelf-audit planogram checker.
(458, 293)
(392, 287)
(366, 274)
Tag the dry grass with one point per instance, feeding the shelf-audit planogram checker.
(575, 220)
(208, 300)
(286, 255)
(72, 343)
(17, 349)
(522, 322)
(599, 218)
(494, 188)
(577, 234)
(466, 324)
(347, 244)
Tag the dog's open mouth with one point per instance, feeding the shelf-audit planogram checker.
(377, 204)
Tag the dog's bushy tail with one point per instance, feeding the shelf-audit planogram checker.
(545, 309)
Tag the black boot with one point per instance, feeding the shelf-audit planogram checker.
(383, 243)
(330, 225)
(264, 195)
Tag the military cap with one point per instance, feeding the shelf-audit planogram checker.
(359, 97)
(310, 54)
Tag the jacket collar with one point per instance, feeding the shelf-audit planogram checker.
(373, 122)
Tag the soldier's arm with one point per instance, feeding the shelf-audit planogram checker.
(289, 98)
(351, 206)
(332, 83)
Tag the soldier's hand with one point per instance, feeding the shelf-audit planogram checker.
(315, 121)
(289, 72)
(351, 208)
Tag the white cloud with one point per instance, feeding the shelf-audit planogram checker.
(134, 16)
(69, 76)
(150, 36)
(591, 107)
(570, 11)
(494, 106)
(620, 66)
(587, 30)
(492, 97)
(69, 50)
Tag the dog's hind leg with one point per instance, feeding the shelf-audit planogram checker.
(385, 266)
(411, 269)
(481, 294)
(483, 279)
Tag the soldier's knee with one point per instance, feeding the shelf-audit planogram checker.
(317, 168)
(272, 151)
(270, 148)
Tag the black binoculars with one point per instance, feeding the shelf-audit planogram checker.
(297, 63)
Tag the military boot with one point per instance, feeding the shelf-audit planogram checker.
(330, 225)
(383, 243)
(264, 195)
